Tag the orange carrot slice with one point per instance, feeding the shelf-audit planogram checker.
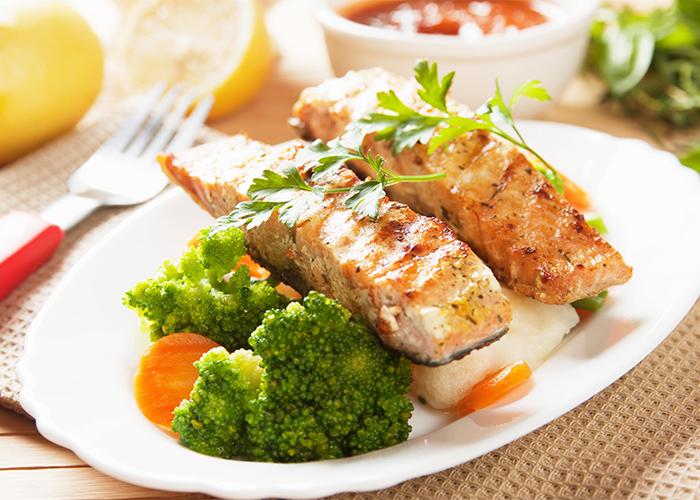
(256, 270)
(578, 198)
(584, 314)
(166, 374)
(494, 387)
(288, 291)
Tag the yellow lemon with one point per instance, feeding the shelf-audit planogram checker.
(50, 72)
(218, 46)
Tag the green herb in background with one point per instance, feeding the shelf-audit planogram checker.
(650, 63)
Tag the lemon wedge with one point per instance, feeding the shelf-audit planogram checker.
(51, 70)
(219, 46)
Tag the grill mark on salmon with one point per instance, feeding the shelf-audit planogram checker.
(492, 197)
(423, 291)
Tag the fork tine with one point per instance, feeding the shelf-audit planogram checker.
(123, 136)
(154, 122)
(188, 131)
(170, 125)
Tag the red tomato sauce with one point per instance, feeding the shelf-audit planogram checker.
(446, 17)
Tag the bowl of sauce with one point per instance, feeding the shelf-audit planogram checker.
(481, 40)
(469, 19)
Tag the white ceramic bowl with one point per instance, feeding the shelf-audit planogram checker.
(552, 52)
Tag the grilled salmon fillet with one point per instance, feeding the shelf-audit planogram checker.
(492, 197)
(422, 290)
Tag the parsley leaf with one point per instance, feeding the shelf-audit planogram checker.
(265, 193)
(290, 212)
(250, 213)
(530, 89)
(254, 212)
(272, 183)
(434, 92)
(456, 126)
(490, 116)
(328, 159)
(325, 159)
(365, 198)
(403, 127)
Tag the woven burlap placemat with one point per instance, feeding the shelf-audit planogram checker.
(31, 184)
(639, 438)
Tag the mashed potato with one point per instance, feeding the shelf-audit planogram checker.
(536, 330)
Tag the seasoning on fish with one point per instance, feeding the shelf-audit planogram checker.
(422, 290)
(492, 197)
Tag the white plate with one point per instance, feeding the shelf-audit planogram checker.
(83, 347)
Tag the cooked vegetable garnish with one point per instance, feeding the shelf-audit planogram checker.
(212, 421)
(494, 387)
(166, 374)
(591, 303)
(255, 269)
(578, 198)
(596, 221)
(322, 387)
(198, 293)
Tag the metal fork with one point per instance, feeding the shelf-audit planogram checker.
(123, 171)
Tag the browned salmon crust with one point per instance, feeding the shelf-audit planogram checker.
(492, 197)
(422, 290)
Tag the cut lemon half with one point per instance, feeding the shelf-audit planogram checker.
(219, 46)
(50, 73)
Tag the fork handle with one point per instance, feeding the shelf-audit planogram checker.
(26, 242)
(67, 211)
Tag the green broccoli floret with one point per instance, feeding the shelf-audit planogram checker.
(198, 293)
(212, 421)
(328, 390)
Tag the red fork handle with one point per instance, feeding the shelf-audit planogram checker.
(26, 242)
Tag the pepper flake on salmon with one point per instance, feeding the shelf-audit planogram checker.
(423, 291)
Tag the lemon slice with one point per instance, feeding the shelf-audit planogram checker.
(218, 46)
(51, 66)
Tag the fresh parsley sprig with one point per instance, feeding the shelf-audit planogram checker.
(289, 194)
(327, 159)
(280, 191)
(405, 127)
(274, 192)
(488, 117)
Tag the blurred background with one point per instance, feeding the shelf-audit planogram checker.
(287, 52)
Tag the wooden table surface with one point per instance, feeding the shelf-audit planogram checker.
(31, 466)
